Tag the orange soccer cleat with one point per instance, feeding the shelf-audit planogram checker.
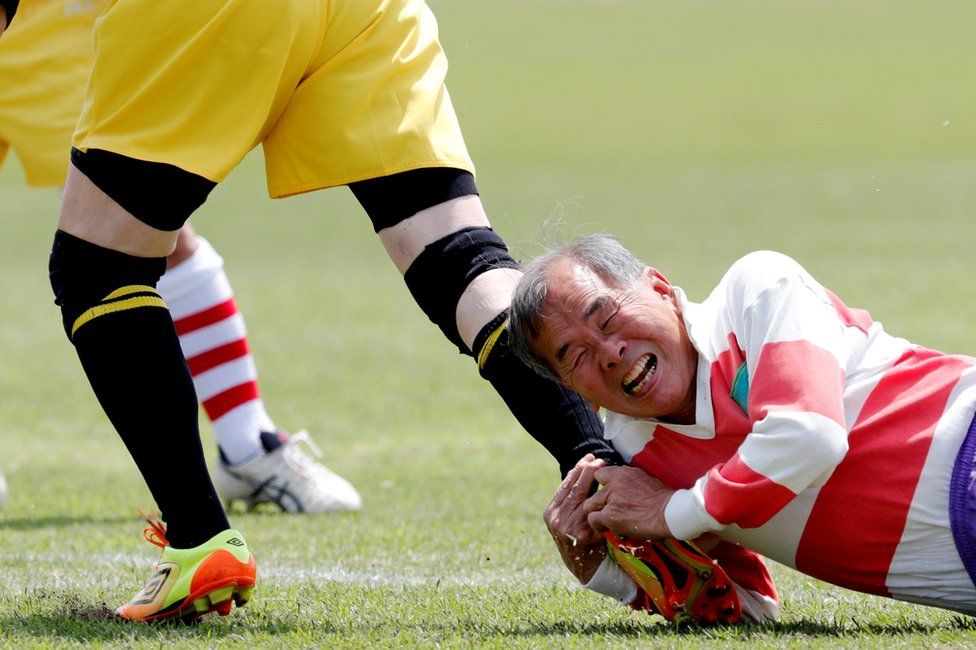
(677, 580)
(188, 583)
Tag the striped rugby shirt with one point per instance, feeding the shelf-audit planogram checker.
(820, 441)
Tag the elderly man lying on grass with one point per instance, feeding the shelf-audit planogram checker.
(771, 416)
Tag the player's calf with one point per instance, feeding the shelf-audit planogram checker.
(128, 347)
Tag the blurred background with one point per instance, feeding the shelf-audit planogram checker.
(841, 132)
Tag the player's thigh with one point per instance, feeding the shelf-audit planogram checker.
(375, 103)
(90, 214)
(195, 84)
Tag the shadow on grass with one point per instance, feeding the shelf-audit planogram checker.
(805, 628)
(81, 621)
(58, 521)
(853, 626)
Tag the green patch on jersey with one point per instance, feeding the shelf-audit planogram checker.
(740, 388)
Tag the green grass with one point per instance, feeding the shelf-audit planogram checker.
(841, 133)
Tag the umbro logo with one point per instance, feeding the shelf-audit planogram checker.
(236, 541)
(152, 588)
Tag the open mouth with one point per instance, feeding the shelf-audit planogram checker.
(640, 375)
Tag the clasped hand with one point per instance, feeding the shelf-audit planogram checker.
(630, 503)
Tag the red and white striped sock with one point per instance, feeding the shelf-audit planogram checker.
(214, 341)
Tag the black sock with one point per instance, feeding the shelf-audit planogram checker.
(558, 418)
(129, 349)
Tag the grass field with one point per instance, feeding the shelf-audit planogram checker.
(839, 132)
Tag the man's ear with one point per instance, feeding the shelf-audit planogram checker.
(658, 283)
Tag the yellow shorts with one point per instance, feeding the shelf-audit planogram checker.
(45, 57)
(336, 90)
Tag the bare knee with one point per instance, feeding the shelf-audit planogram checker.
(91, 215)
(485, 297)
(186, 245)
(405, 241)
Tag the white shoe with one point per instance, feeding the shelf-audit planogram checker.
(288, 477)
(3, 490)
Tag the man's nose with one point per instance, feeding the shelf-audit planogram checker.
(611, 352)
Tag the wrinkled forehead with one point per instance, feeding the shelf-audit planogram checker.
(572, 288)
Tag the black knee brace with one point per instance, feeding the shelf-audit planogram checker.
(388, 200)
(159, 195)
(84, 277)
(445, 268)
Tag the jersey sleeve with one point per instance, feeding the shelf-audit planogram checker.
(793, 340)
(610, 580)
(11, 7)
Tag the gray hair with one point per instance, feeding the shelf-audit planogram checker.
(600, 253)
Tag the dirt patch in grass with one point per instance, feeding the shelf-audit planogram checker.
(87, 612)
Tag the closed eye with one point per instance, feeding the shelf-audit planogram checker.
(578, 360)
(607, 321)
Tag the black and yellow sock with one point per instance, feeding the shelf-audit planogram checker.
(127, 344)
(554, 415)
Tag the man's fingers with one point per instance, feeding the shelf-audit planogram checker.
(596, 502)
(580, 475)
(606, 474)
(567, 483)
(618, 474)
(598, 521)
(581, 489)
(571, 477)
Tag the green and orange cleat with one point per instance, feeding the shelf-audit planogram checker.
(188, 583)
(677, 580)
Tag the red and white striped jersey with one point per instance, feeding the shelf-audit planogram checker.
(820, 440)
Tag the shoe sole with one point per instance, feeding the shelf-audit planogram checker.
(685, 585)
(224, 586)
(218, 599)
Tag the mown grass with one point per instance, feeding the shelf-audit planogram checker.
(838, 132)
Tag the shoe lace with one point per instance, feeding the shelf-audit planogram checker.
(297, 456)
(155, 533)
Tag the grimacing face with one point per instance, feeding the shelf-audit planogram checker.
(622, 348)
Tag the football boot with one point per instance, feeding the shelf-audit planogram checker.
(190, 582)
(288, 475)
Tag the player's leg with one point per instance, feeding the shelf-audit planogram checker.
(258, 462)
(143, 162)
(376, 107)
(105, 264)
(104, 267)
(434, 227)
(214, 340)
